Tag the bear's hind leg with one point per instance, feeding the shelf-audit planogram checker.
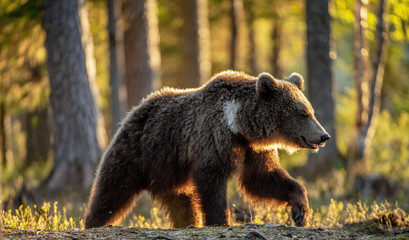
(182, 211)
(113, 193)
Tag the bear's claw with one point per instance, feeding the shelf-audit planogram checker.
(299, 215)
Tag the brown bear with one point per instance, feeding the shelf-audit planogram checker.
(184, 145)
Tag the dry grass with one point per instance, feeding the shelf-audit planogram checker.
(358, 216)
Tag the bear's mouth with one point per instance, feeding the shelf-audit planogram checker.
(309, 144)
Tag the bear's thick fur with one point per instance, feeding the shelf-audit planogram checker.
(183, 146)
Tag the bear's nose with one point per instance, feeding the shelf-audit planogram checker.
(325, 137)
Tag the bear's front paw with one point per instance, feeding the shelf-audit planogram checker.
(300, 214)
(299, 204)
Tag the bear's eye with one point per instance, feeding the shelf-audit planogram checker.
(305, 114)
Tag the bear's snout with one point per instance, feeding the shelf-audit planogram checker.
(325, 138)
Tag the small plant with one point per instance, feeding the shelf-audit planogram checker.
(46, 217)
(337, 214)
(157, 220)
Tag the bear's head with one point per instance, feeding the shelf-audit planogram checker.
(277, 115)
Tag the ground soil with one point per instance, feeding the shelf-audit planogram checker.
(248, 231)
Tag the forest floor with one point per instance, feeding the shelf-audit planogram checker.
(248, 231)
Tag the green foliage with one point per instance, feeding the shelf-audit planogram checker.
(346, 109)
(18, 173)
(399, 20)
(389, 152)
(342, 11)
(396, 85)
(22, 58)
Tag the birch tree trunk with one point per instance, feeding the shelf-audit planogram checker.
(368, 89)
(320, 85)
(195, 43)
(142, 55)
(75, 114)
(356, 164)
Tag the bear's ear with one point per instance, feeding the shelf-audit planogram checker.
(297, 79)
(265, 84)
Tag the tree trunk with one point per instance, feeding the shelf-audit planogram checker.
(275, 53)
(252, 39)
(368, 92)
(38, 142)
(3, 146)
(88, 46)
(142, 56)
(356, 163)
(75, 114)
(37, 128)
(236, 15)
(116, 70)
(361, 57)
(195, 43)
(320, 85)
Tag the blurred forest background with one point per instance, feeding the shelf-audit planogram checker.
(70, 70)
